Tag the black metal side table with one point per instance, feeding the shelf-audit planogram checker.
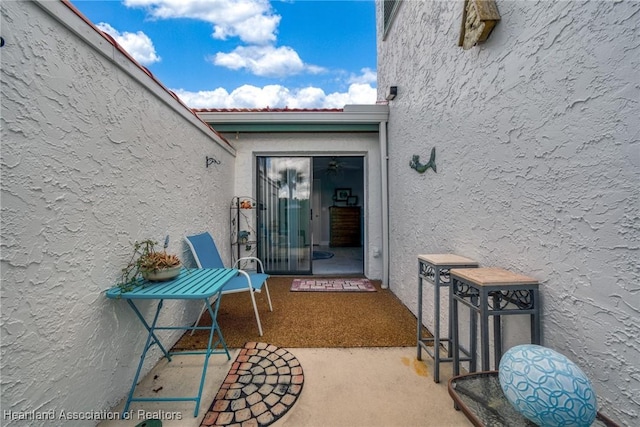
(434, 268)
(491, 292)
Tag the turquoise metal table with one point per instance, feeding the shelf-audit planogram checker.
(198, 284)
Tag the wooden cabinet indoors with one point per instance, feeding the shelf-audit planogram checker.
(345, 226)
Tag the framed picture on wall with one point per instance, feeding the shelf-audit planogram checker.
(342, 194)
(352, 201)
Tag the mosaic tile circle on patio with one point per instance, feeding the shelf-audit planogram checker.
(262, 385)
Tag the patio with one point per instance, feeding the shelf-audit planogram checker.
(352, 387)
(99, 154)
(356, 371)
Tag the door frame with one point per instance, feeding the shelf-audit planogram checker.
(279, 244)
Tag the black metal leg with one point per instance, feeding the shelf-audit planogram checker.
(497, 335)
(456, 337)
(419, 332)
(436, 320)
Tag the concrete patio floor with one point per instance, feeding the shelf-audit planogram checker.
(343, 387)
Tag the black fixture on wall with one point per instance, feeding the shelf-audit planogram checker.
(393, 92)
(212, 160)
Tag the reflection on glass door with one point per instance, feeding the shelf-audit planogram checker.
(284, 214)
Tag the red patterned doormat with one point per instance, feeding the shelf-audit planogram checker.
(332, 285)
(262, 385)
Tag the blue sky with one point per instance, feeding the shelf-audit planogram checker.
(249, 53)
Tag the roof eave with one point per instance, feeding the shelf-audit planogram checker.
(350, 114)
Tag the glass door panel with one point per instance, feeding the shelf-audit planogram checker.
(284, 214)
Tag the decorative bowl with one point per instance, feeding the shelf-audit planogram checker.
(162, 275)
(546, 387)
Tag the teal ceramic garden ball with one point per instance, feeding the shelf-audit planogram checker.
(546, 387)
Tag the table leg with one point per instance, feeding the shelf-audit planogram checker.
(473, 326)
(150, 329)
(419, 332)
(450, 349)
(497, 334)
(456, 338)
(535, 319)
(484, 329)
(436, 320)
(147, 345)
(497, 331)
(213, 312)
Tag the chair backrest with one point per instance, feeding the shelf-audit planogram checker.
(204, 251)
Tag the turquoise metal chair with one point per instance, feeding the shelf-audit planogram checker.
(206, 254)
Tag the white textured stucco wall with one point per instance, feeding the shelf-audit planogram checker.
(95, 155)
(250, 145)
(538, 157)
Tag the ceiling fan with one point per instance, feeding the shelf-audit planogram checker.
(335, 166)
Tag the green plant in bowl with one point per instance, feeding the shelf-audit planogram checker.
(150, 264)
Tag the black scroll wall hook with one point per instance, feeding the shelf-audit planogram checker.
(212, 160)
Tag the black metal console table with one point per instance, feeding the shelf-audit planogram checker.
(434, 269)
(491, 292)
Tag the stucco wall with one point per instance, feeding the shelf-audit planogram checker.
(538, 157)
(324, 144)
(95, 155)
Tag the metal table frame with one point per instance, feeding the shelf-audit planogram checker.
(434, 268)
(491, 292)
(482, 400)
(198, 284)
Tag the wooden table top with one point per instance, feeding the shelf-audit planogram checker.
(446, 259)
(487, 276)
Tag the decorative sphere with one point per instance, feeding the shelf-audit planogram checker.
(546, 387)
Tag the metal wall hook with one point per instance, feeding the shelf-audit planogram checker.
(212, 160)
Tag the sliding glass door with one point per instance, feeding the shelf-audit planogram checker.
(284, 214)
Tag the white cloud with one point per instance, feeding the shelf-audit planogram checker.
(358, 93)
(138, 45)
(257, 29)
(246, 96)
(309, 97)
(218, 98)
(265, 61)
(277, 96)
(368, 76)
(253, 21)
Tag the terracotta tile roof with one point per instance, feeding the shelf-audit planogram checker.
(137, 64)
